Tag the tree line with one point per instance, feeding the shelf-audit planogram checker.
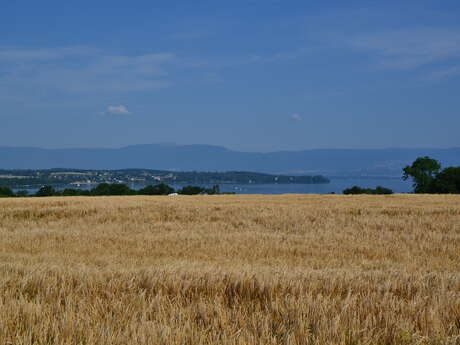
(113, 189)
(359, 190)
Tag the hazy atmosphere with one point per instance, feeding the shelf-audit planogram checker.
(247, 75)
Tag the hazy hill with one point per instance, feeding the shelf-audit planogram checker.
(382, 162)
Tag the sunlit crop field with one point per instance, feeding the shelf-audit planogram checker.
(230, 270)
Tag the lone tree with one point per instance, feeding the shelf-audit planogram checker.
(448, 181)
(423, 172)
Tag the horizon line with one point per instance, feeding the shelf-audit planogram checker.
(229, 149)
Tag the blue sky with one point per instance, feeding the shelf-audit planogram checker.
(249, 75)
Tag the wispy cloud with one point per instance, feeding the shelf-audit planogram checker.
(444, 73)
(117, 110)
(296, 117)
(278, 56)
(410, 48)
(41, 54)
(84, 70)
(187, 36)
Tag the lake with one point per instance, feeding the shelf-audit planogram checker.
(337, 185)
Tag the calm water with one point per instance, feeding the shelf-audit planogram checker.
(337, 185)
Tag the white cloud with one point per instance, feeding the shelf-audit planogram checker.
(410, 48)
(118, 110)
(296, 117)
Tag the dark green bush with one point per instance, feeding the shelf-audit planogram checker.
(159, 189)
(358, 190)
(6, 192)
(46, 191)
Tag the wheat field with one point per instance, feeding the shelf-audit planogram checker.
(293, 269)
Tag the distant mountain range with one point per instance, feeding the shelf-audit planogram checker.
(330, 162)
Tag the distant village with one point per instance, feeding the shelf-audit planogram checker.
(77, 178)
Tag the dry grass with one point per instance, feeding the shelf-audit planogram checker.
(230, 270)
